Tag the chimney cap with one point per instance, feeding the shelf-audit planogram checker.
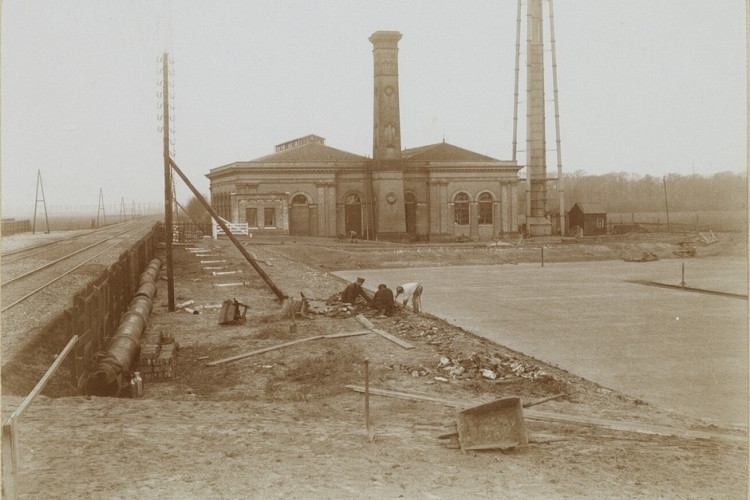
(381, 37)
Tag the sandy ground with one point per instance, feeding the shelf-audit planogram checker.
(282, 424)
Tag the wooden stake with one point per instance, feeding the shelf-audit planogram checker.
(368, 423)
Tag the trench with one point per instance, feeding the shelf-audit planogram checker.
(94, 315)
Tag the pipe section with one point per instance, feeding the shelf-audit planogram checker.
(112, 371)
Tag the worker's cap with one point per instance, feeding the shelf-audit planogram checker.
(381, 286)
(399, 289)
(360, 280)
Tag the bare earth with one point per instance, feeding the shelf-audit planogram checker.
(282, 424)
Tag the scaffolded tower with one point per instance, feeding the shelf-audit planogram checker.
(537, 223)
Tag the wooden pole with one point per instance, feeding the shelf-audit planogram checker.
(560, 189)
(168, 222)
(682, 283)
(368, 422)
(9, 470)
(666, 203)
(229, 234)
(515, 92)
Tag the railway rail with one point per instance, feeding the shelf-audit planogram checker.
(26, 252)
(32, 273)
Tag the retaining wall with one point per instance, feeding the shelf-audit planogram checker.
(96, 311)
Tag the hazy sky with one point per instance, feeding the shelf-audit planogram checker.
(645, 86)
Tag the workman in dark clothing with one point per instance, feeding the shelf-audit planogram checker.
(354, 290)
(383, 302)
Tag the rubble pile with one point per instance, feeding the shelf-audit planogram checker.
(491, 367)
(332, 307)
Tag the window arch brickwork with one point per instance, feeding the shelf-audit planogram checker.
(461, 209)
(485, 209)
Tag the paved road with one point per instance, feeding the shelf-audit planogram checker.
(681, 350)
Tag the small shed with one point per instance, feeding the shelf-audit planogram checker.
(591, 218)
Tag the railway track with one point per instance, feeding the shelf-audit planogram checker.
(35, 268)
(9, 257)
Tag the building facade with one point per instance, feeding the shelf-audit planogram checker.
(438, 192)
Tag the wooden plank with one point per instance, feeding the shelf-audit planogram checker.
(287, 344)
(412, 397)
(634, 427)
(394, 339)
(347, 334)
(368, 324)
(45, 378)
(261, 351)
(543, 400)
(364, 321)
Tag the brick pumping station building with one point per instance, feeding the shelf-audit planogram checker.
(437, 192)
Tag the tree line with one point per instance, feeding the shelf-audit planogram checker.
(622, 192)
(625, 192)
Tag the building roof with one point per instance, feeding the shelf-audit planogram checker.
(311, 152)
(590, 208)
(442, 151)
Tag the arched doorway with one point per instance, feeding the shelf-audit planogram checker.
(353, 214)
(410, 206)
(299, 216)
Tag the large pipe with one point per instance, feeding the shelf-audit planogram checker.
(109, 376)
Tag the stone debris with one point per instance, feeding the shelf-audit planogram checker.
(645, 257)
(686, 250)
(157, 361)
(490, 367)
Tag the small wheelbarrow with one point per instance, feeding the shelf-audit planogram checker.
(497, 425)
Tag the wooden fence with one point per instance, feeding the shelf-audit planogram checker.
(12, 226)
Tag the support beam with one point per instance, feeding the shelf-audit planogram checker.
(229, 234)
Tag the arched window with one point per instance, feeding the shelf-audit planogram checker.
(461, 209)
(300, 199)
(352, 199)
(485, 208)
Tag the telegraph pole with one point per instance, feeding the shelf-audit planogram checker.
(666, 204)
(168, 223)
(100, 209)
(40, 186)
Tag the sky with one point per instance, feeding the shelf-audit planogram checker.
(647, 87)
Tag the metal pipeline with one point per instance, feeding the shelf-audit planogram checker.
(112, 369)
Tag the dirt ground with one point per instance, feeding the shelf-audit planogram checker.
(283, 424)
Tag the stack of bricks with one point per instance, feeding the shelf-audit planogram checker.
(157, 360)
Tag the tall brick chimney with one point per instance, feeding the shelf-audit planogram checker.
(386, 143)
(536, 149)
(387, 173)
